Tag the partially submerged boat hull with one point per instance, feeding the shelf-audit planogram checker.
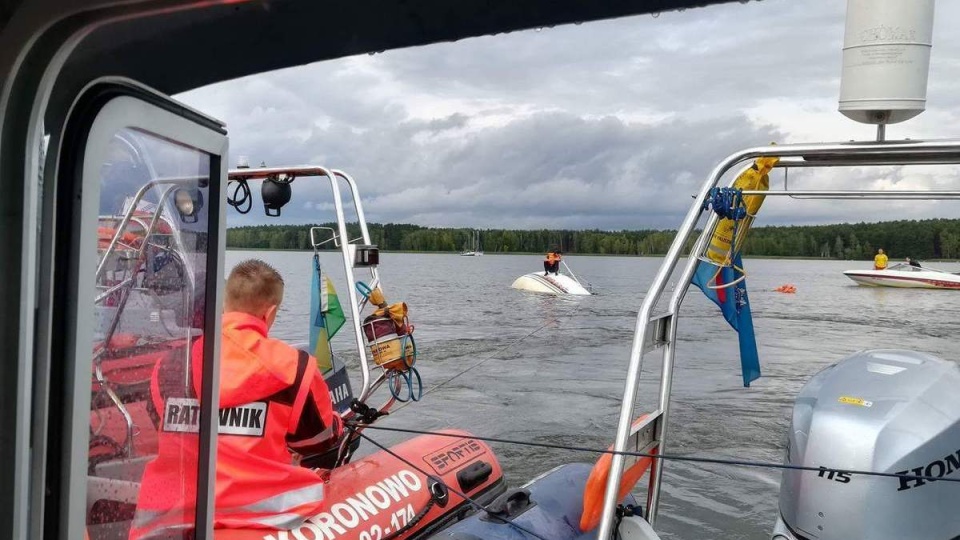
(557, 284)
(919, 279)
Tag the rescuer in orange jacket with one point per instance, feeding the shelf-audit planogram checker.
(552, 262)
(274, 407)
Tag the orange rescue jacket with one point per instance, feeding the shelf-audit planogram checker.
(273, 402)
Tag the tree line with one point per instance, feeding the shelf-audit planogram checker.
(923, 239)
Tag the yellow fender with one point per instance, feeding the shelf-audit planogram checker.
(757, 178)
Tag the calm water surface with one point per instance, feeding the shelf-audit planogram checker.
(552, 369)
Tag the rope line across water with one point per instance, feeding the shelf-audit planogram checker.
(670, 457)
(492, 354)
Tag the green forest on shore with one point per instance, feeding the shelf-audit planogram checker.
(923, 239)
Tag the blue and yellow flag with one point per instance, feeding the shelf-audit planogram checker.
(735, 305)
(326, 317)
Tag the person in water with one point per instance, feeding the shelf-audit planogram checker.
(552, 262)
(913, 262)
(880, 261)
(274, 408)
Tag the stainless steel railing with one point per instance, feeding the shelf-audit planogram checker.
(660, 332)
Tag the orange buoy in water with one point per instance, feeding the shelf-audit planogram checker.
(597, 484)
(787, 288)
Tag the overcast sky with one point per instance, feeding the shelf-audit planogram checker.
(610, 124)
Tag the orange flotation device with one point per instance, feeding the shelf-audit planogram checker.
(597, 483)
(787, 288)
(105, 236)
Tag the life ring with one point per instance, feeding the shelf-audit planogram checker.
(755, 178)
(596, 485)
(786, 288)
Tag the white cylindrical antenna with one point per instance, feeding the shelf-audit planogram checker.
(886, 60)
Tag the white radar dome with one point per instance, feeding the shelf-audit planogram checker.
(886, 59)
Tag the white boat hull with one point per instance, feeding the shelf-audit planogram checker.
(557, 284)
(917, 279)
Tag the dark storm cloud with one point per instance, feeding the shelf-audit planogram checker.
(612, 124)
(547, 169)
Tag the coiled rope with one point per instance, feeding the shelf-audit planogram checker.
(409, 374)
(727, 203)
(241, 196)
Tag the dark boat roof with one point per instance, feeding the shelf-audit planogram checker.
(208, 42)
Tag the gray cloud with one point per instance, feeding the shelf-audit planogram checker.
(610, 124)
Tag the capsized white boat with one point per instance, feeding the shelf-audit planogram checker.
(550, 284)
(905, 276)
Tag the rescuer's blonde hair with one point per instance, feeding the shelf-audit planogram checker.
(253, 287)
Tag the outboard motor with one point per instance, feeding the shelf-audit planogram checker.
(889, 411)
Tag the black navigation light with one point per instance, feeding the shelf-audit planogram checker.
(365, 255)
(275, 193)
(188, 201)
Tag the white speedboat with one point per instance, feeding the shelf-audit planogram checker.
(905, 276)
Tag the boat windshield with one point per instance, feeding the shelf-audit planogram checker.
(907, 267)
(151, 257)
(148, 309)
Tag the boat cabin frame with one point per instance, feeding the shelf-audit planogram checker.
(348, 250)
(53, 52)
(372, 377)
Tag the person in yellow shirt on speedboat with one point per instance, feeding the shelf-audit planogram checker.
(880, 261)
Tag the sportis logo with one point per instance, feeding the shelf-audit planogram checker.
(454, 455)
(182, 415)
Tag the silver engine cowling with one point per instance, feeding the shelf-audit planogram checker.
(888, 411)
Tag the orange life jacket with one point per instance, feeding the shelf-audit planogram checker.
(272, 400)
(552, 257)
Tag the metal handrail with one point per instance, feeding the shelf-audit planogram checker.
(133, 207)
(804, 155)
(891, 195)
(368, 386)
(364, 233)
(316, 170)
(124, 296)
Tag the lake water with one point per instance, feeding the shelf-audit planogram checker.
(552, 369)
